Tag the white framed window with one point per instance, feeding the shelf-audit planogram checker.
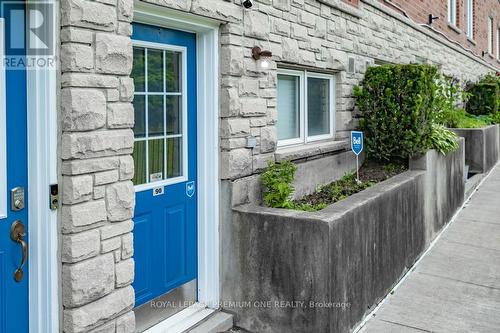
(306, 106)
(452, 12)
(470, 18)
(498, 43)
(160, 111)
(490, 35)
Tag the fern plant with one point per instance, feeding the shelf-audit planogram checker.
(277, 181)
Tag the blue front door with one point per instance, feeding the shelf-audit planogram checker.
(165, 237)
(13, 138)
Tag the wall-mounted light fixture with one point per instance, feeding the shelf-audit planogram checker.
(262, 57)
(432, 18)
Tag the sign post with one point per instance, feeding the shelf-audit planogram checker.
(357, 148)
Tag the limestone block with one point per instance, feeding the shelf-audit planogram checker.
(97, 144)
(253, 107)
(113, 54)
(112, 95)
(88, 14)
(257, 24)
(75, 217)
(120, 201)
(115, 229)
(234, 127)
(76, 189)
(126, 167)
(83, 109)
(80, 246)
(78, 167)
(120, 115)
(105, 177)
(88, 80)
(127, 245)
(283, 5)
(125, 10)
(290, 49)
(231, 60)
(77, 57)
(126, 323)
(93, 314)
(248, 88)
(111, 244)
(307, 19)
(124, 28)
(72, 34)
(126, 89)
(236, 163)
(280, 26)
(268, 139)
(225, 11)
(229, 102)
(87, 280)
(124, 272)
(99, 192)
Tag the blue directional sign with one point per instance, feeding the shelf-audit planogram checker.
(357, 142)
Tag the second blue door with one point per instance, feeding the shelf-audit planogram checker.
(165, 222)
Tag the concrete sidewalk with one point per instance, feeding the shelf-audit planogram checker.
(456, 286)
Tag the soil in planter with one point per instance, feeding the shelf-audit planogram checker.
(370, 173)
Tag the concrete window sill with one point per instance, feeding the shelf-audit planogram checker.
(472, 41)
(311, 149)
(454, 28)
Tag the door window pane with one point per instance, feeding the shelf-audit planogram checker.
(155, 70)
(155, 115)
(139, 156)
(174, 114)
(156, 158)
(139, 116)
(173, 71)
(288, 107)
(138, 69)
(174, 157)
(318, 106)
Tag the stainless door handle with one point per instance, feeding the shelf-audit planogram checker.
(17, 233)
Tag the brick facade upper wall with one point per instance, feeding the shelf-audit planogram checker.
(419, 12)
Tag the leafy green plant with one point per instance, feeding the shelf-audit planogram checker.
(277, 180)
(443, 140)
(484, 98)
(397, 105)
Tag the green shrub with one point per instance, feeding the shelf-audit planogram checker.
(443, 140)
(277, 181)
(484, 98)
(397, 103)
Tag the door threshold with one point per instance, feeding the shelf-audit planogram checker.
(182, 320)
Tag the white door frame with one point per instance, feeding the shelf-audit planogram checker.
(41, 85)
(207, 46)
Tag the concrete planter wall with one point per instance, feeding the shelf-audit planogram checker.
(482, 147)
(339, 261)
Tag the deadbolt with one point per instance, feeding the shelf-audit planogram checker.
(17, 199)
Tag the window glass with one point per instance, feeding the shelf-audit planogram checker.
(288, 107)
(470, 18)
(490, 35)
(158, 110)
(318, 106)
(138, 71)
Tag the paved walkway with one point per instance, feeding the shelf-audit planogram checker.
(456, 286)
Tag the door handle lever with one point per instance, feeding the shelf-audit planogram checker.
(17, 234)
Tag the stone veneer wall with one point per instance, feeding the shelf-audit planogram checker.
(96, 116)
(97, 194)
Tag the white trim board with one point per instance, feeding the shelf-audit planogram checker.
(3, 129)
(42, 171)
(207, 44)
